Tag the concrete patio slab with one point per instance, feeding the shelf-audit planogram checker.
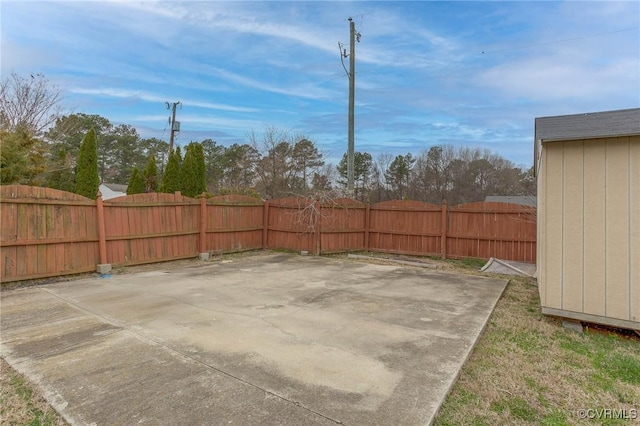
(265, 339)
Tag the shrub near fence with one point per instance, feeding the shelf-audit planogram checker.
(45, 232)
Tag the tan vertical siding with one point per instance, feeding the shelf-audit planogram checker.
(617, 231)
(553, 225)
(634, 228)
(588, 170)
(589, 229)
(572, 225)
(541, 202)
(594, 227)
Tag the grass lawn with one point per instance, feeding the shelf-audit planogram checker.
(529, 370)
(21, 403)
(525, 370)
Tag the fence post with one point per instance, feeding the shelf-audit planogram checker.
(103, 267)
(265, 225)
(317, 233)
(367, 213)
(443, 228)
(204, 254)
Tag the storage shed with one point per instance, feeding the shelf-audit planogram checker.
(588, 242)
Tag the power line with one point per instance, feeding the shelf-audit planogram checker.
(528, 46)
(165, 127)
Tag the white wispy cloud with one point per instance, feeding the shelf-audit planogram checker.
(199, 121)
(148, 97)
(421, 75)
(242, 18)
(598, 68)
(308, 90)
(236, 18)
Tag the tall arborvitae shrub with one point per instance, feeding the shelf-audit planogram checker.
(136, 184)
(193, 171)
(201, 169)
(171, 180)
(186, 172)
(150, 175)
(87, 178)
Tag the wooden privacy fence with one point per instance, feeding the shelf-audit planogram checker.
(481, 230)
(46, 232)
(153, 227)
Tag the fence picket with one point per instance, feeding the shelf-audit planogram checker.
(46, 232)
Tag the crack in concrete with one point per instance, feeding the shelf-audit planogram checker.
(183, 355)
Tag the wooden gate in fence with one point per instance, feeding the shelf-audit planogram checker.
(45, 232)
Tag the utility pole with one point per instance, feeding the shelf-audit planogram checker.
(175, 126)
(353, 36)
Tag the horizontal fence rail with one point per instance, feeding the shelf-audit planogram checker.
(46, 232)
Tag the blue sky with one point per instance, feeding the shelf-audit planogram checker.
(427, 73)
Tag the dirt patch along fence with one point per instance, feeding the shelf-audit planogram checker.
(46, 232)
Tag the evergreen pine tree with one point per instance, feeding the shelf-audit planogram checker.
(136, 183)
(150, 175)
(201, 169)
(187, 172)
(193, 171)
(171, 180)
(87, 178)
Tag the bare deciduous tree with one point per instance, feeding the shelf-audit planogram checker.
(288, 162)
(466, 174)
(29, 103)
(380, 187)
(309, 214)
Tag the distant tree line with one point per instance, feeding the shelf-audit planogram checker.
(76, 152)
(442, 172)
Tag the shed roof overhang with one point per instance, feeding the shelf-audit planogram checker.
(595, 125)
